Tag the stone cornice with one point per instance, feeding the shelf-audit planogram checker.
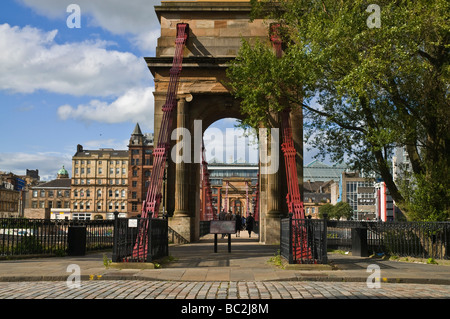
(188, 62)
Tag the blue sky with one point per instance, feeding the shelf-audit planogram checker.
(62, 86)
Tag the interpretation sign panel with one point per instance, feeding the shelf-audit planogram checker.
(222, 227)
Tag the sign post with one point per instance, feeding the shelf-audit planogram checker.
(222, 227)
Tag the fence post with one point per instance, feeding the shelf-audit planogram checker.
(114, 256)
(324, 238)
(359, 241)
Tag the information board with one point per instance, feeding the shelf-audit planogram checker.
(222, 227)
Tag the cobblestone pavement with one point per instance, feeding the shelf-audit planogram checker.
(133, 289)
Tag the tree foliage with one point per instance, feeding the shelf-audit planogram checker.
(338, 211)
(363, 90)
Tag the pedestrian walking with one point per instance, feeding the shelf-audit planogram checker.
(222, 216)
(229, 216)
(250, 223)
(238, 225)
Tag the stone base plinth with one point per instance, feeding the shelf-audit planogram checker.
(272, 230)
(185, 226)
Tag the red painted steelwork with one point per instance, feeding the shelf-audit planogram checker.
(210, 211)
(150, 206)
(293, 198)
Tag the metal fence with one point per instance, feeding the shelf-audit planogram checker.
(406, 239)
(303, 241)
(127, 239)
(27, 237)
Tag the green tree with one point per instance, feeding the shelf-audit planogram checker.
(326, 209)
(343, 210)
(363, 90)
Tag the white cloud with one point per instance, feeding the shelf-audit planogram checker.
(135, 105)
(48, 163)
(31, 60)
(116, 16)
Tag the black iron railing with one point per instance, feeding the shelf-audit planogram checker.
(26, 237)
(411, 239)
(204, 227)
(303, 241)
(126, 239)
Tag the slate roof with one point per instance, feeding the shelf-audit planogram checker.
(56, 183)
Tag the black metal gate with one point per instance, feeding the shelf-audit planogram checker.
(126, 238)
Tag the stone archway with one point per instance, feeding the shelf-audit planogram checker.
(216, 30)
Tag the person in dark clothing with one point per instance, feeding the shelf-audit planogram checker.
(222, 216)
(238, 225)
(249, 226)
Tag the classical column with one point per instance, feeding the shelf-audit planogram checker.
(181, 178)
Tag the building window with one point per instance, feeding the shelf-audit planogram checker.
(59, 194)
(35, 194)
(34, 204)
(66, 193)
(134, 183)
(66, 204)
(123, 193)
(75, 205)
(58, 204)
(51, 193)
(99, 205)
(124, 206)
(99, 193)
(134, 207)
(110, 193)
(42, 193)
(133, 195)
(117, 193)
(135, 174)
(81, 216)
(100, 171)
